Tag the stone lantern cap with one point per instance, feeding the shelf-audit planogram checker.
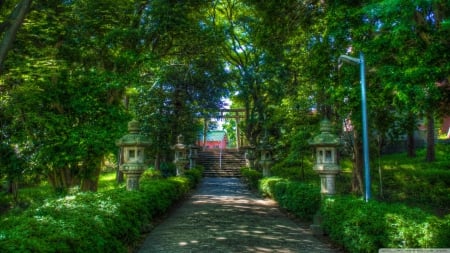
(325, 138)
(133, 138)
(265, 145)
(193, 151)
(179, 145)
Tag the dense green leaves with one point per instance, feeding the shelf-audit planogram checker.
(79, 70)
(366, 227)
(301, 199)
(91, 222)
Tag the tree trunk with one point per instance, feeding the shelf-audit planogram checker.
(357, 173)
(410, 141)
(158, 162)
(380, 171)
(431, 155)
(91, 175)
(13, 188)
(90, 184)
(63, 178)
(410, 144)
(15, 19)
(119, 174)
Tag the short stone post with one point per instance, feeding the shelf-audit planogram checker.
(193, 155)
(266, 160)
(181, 159)
(250, 156)
(133, 145)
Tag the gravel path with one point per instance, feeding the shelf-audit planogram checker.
(223, 216)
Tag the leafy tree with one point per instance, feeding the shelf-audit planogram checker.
(408, 48)
(184, 78)
(68, 108)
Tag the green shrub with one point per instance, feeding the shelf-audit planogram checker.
(168, 169)
(194, 175)
(267, 185)
(424, 187)
(108, 221)
(294, 170)
(300, 198)
(366, 227)
(151, 173)
(251, 177)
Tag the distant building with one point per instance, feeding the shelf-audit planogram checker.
(214, 139)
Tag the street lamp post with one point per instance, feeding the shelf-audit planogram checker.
(360, 61)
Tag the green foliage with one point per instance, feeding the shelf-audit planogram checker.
(425, 188)
(416, 182)
(11, 165)
(194, 175)
(251, 177)
(294, 169)
(366, 227)
(267, 185)
(301, 199)
(151, 173)
(108, 221)
(168, 169)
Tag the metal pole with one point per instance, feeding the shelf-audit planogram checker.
(365, 133)
(365, 127)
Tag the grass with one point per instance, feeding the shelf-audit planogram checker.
(37, 194)
(409, 180)
(107, 181)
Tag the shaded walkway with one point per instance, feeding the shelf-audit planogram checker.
(222, 216)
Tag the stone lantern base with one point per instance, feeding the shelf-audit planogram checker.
(132, 177)
(328, 184)
(316, 227)
(180, 164)
(266, 168)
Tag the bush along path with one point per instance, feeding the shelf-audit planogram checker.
(359, 226)
(223, 216)
(109, 221)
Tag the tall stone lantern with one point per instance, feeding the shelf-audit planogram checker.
(133, 145)
(181, 159)
(266, 160)
(326, 163)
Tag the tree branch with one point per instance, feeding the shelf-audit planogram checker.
(16, 19)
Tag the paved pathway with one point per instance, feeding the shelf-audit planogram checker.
(222, 216)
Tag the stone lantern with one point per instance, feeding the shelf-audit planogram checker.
(133, 145)
(326, 163)
(181, 158)
(250, 156)
(193, 155)
(266, 160)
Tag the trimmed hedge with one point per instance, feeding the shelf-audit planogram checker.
(251, 177)
(359, 226)
(300, 198)
(365, 227)
(92, 222)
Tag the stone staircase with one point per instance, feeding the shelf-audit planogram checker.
(225, 163)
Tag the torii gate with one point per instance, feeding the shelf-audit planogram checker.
(235, 113)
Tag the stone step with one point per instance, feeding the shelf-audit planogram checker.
(225, 163)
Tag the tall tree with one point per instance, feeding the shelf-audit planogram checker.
(67, 84)
(409, 50)
(186, 75)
